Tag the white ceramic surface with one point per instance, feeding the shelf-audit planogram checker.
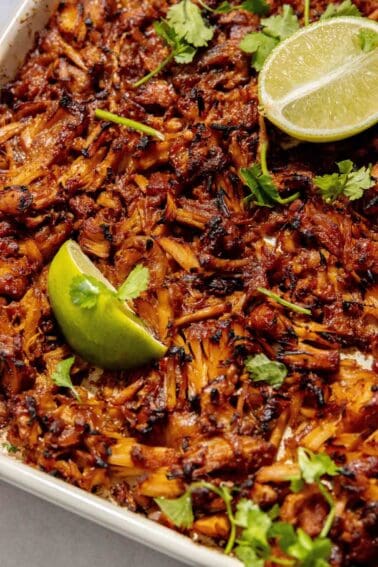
(14, 43)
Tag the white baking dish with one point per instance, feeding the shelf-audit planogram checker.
(14, 44)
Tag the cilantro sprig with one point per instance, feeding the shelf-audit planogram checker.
(350, 182)
(312, 468)
(262, 369)
(274, 29)
(253, 545)
(86, 290)
(180, 510)
(278, 299)
(263, 191)
(252, 530)
(184, 31)
(62, 377)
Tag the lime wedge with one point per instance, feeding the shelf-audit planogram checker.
(319, 85)
(108, 335)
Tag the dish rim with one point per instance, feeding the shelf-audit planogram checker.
(15, 41)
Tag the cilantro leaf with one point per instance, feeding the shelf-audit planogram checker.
(85, 291)
(283, 302)
(346, 8)
(368, 40)
(187, 21)
(264, 193)
(260, 45)
(261, 368)
(253, 545)
(256, 524)
(284, 533)
(178, 510)
(182, 52)
(349, 182)
(299, 545)
(282, 25)
(223, 8)
(310, 552)
(314, 465)
(10, 448)
(135, 283)
(274, 29)
(61, 375)
(258, 7)
(248, 556)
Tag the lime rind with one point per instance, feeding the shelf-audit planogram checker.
(352, 101)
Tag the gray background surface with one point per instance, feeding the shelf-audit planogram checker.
(36, 534)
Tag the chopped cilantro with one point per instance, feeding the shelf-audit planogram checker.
(350, 182)
(274, 29)
(283, 302)
(264, 193)
(135, 283)
(346, 8)
(261, 368)
(368, 40)
(61, 375)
